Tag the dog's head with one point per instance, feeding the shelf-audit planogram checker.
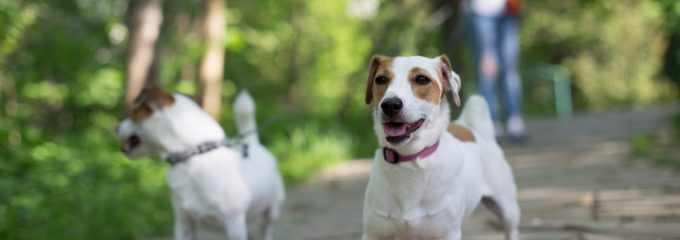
(407, 95)
(162, 123)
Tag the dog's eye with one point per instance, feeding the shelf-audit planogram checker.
(380, 80)
(422, 80)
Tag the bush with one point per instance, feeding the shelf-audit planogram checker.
(613, 49)
(305, 150)
(659, 148)
(80, 187)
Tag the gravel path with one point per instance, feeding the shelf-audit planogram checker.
(576, 178)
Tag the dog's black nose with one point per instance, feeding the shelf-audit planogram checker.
(391, 106)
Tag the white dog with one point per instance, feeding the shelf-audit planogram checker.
(212, 185)
(429, 173)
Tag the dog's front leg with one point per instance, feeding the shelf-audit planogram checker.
(455, 234)
(369, 237)
(268, 221)
(236, 227)
(184, 227)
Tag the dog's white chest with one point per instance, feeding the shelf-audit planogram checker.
(424, 221)
(416, 221)
(209, 186)
(194, 202)
(413, 203)
(432, 215)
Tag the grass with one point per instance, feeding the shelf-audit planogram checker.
(661, 148)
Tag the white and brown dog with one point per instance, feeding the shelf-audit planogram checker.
(429, 174)
(212, 184)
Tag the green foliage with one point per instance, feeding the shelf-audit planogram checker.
(61, 175)
(641, 144)
(671, 15)
(613, 49)
(671, 23)
(308, 149)
(661, 148)
(61, 190)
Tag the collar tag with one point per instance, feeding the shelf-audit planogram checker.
(390, 155)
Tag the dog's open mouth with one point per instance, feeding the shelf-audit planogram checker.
(130, 144)
(399, 131)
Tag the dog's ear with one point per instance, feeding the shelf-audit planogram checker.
(151, 98)
(154, 96)
(372, 70)
(451, 79)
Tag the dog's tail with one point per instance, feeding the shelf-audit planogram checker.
(477, 116)
(244, 113)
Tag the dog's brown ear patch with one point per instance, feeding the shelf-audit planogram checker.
(380, 66)
(460, 132)
(151, 98)
(451, 79)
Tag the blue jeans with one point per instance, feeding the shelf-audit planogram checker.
(496, 42)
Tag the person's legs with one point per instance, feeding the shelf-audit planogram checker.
(511, 82)
(487, 65)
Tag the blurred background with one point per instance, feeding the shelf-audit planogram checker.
(63, 86)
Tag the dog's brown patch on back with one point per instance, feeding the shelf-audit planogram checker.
(150, 99)
(380, 66)
(430, 92)
(460, 132)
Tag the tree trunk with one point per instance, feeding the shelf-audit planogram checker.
(145, 18)
(453, 36)
(295, 86)
(212, 65)
(452, 29)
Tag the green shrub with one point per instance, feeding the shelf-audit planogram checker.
(80, 187)
(306, 149)
(641, 144)
(613, 49)
(660, 148)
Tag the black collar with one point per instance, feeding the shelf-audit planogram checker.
(176, 158)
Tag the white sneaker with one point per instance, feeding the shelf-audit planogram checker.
(516, 128)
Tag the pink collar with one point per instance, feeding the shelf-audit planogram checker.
(393, 157)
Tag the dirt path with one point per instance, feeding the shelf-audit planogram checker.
(577, 180)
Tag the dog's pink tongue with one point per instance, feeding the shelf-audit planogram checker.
(394, 130)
